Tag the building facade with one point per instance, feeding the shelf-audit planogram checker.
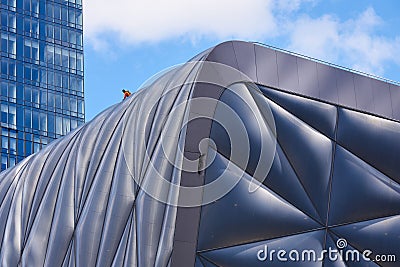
(42, 94)
(245, 156)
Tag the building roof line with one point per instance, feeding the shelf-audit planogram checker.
(330, 64)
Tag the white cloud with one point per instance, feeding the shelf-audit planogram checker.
(317, 37)
(367, 49)
(137, 21)
(292, 5)
(355, 42)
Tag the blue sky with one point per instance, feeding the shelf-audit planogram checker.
(127, 43)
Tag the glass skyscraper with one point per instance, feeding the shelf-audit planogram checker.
(42, 94)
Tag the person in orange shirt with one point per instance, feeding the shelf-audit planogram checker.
(126, 93)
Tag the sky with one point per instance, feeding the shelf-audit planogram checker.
(129, 41)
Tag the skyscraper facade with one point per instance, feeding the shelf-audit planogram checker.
(42, 94)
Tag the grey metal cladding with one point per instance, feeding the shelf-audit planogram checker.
(382, 98)
(327, 83)
(78, 202)
(320, 116)
(261, 222)
(223, 53)
(246, 59)
(288, 72)
(395, 97)
(221, 139)
(345, 190)
(266, 65)
(313, 164)
(373, 139)
(349, 186)
(197, 129)
(246, 115)
(308, 78)
(88, 199)
(375, 197)
(345, 86)
(364, 96)
(283, 180)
